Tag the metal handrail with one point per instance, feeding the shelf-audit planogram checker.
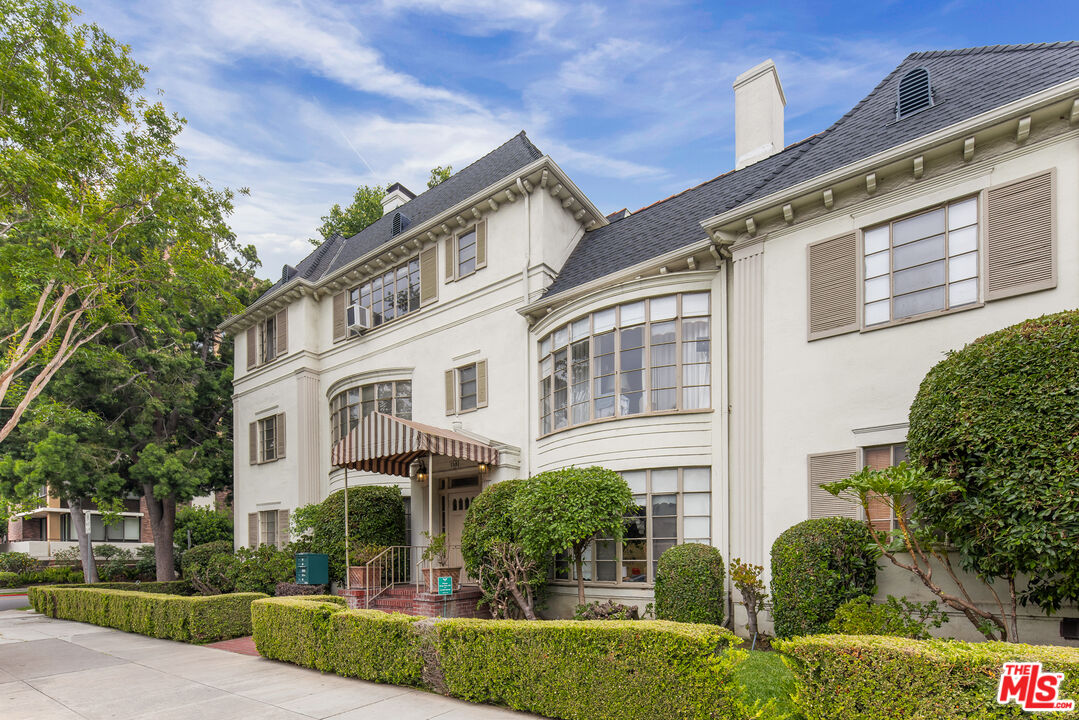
(391, 567)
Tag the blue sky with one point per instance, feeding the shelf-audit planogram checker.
(303, 100)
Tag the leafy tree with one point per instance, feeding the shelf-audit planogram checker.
(439, 174)
(746, 578)
(1000, 419)
(511, 580)
(96, 207)
(565, 509)
(205, 525)
(365, 208)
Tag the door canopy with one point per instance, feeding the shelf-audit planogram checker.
(388, 445)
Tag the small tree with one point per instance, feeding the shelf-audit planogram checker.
(565, 509)
(439, 174)
(204, 524)
(747, 580)
(903, 489)
(512, 580)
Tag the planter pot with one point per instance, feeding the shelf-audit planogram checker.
(431, 576)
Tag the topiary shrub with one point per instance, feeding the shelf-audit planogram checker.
(896, 617)
(490, 544)
(689, 584)
(376, 516)
(817, 565)
(1000, 419)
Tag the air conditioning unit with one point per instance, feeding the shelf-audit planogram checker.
(357, 320)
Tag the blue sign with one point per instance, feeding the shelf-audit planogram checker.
(445, 585)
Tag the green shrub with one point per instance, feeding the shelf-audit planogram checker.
(8, 579)
(68, 556)
(316, 633)
(689, 584)
(817, 565)
(1000, 418)
(881, 678)
(589, 670)
(206, 525)
(201, 554)
(17, 562)
(198, 619)
(115, 564)
(165, 587)
(246, 570)
(592, 670)
(896, 617)
(51, 575)
(291, 589)
(607, 610)
(146, 562)
(376, 516)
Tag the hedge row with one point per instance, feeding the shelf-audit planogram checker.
(199, 619)
(577, 670)
(868, 677)
(164, 587)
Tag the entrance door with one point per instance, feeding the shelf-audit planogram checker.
(457, 504)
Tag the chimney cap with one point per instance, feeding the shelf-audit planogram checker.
(756, 71)
(399, 187)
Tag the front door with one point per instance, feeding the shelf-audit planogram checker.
(457, 504)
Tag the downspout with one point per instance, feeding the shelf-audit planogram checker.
(720, 250)
(528, 330)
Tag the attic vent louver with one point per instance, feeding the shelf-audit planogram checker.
(915, 93)
(400, 222)
(288, 272)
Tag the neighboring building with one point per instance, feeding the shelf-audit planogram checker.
(727, 349)
(46, 529)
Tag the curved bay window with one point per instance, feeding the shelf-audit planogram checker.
(673, 507)
(349, 407)
(646, 356)
(392, 294)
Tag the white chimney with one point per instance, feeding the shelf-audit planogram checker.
(396, 196)
(758, 114)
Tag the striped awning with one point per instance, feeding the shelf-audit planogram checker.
(388, 445)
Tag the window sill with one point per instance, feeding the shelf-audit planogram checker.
(602, 421)
(923, 316)
(268, 363)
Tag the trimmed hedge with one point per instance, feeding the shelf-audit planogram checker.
(291, 589)
(200, 619)
(689, 584)
(162, 587)
(817, 565)
(577, 670)
(866, 677)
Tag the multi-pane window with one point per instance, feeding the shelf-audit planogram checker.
(673, 507)
(267, 429)
(651, 355)
(467, 387)
(390, 295)
(921, 264)
(268, 527)
(123, 529)
(349, 407)
(466, 253)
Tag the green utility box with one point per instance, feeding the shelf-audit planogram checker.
(312, 569)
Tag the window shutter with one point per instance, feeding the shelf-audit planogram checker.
(481, 383)
(481, 244)
(252, 530)
(1019, 238)
(825, 468)
(282, 332)
(338, 316)
(833, 287)
(282, 528)
(253, 433)
(252, 347)
(450, 259)
(429, 275)
(279, 436)
(451, 392)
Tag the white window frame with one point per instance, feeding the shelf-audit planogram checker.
(355, 296)
(342, 404)
(263, 447)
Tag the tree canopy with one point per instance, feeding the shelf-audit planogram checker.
(365, 208)
(439, 174)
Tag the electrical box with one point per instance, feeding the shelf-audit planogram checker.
(312, 569)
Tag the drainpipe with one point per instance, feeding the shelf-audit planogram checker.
(348, 572)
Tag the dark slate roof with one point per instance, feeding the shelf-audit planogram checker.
(965, 83)
(337, 252)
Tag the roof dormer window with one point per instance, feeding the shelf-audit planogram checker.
(915, 93)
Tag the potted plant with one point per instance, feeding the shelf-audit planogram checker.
(434, 559)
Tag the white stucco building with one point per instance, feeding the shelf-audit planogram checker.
(727, 349)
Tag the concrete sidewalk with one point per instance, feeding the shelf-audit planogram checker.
(61, 669)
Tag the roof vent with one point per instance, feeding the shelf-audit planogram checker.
(400, 222)
(915, 93)
(288, 272)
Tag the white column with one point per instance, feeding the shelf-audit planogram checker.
(309, 451)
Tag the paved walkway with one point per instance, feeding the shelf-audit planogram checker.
(57, 669)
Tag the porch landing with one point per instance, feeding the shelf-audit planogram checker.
(463, 603)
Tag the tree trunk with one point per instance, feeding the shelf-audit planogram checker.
(162, 524)
(86, 550)
(751, 612)
(1013, 621)
(577, 564)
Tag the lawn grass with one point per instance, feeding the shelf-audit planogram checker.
(766, 678)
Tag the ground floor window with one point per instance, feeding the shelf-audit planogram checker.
(268, 527)
(880, 457)
(124, 529)
(673, 507)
